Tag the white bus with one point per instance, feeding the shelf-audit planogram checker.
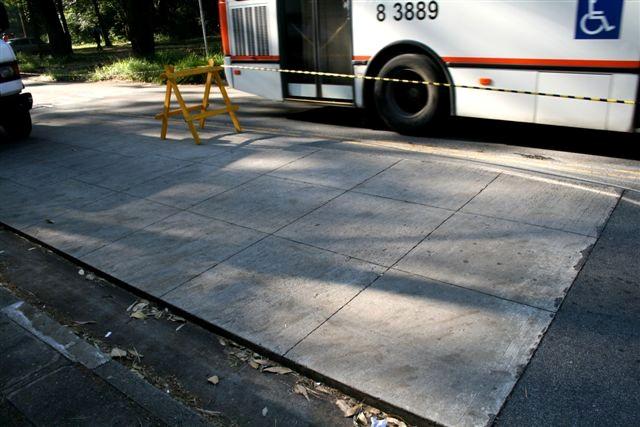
(566, 47)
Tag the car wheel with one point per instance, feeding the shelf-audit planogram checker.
(406, 107)
(18, 126)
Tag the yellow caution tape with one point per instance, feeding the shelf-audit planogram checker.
(428, 83)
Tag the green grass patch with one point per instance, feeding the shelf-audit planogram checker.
(117, 63)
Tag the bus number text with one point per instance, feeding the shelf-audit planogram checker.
(409, 11)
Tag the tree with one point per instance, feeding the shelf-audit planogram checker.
(140, 23)
(101, 23)
(59, 40)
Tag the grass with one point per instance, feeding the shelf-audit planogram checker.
(117, 63)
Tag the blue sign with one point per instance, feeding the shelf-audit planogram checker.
(599, 19)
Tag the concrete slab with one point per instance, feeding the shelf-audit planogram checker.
(254, 161)
(524, 263)
(441, 184)
(33, 173)
(333, 168)
(190, 185)
(549, 202)
(131, 171)
(82, 230)
(84, 160)
(266, 204)
(275, 292)
(23, 206)
(370, 228)
(170, 252)
(446, 353)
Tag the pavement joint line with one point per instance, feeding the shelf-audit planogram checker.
(546, 227)
(408, 147)
(387, 269)
(266, 235)
(476, 290)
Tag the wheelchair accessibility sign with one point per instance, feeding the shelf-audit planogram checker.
(599, 19)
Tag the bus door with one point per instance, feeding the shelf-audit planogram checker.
(315, 35)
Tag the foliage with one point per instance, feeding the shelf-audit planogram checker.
(117, 64)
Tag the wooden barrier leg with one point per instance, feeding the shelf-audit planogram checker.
(185, 111)
(167, 108)
(227, 101)
(205, 99)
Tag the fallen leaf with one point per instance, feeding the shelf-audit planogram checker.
(395, 422)
(118, 352)
(254, 365)
(214, 380)
(91, 276)
(138, 315)
(208, 412)
(84, 322)
(259, 361)
(301, 390)
(50, 221)
(362, 419)
(265, 410)
(280, 370)
(140, 306)
(180, 327)
(175, 318)
(222, 342)
(347, 410)
(108, 334)
(323, 389)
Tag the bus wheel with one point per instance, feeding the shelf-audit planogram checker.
(408, 107)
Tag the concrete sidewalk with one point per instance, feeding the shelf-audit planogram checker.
(423, 282)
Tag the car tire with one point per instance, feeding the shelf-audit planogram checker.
(405, 107)
(18, 126)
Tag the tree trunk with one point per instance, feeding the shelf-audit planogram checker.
(140, 19)
(63, 19)
(101, 23)
(58, 39)
(34, 21)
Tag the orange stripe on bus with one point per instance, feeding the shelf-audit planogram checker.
(595, 63)
(255, 58)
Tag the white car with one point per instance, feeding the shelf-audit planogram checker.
(15, 105)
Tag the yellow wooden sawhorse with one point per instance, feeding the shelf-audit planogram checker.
(213, 75)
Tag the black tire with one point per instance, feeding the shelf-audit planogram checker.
(18, 126)
(410, 108)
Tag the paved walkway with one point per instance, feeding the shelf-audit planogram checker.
(424, 282)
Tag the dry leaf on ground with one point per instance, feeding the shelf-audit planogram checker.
(138, 315)
(213, 379)
(118, 352)
(280, 370)
(347, 409)
(301, 390)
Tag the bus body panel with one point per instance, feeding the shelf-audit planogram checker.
(536, 46)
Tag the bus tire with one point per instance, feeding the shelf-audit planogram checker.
(405, 107)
